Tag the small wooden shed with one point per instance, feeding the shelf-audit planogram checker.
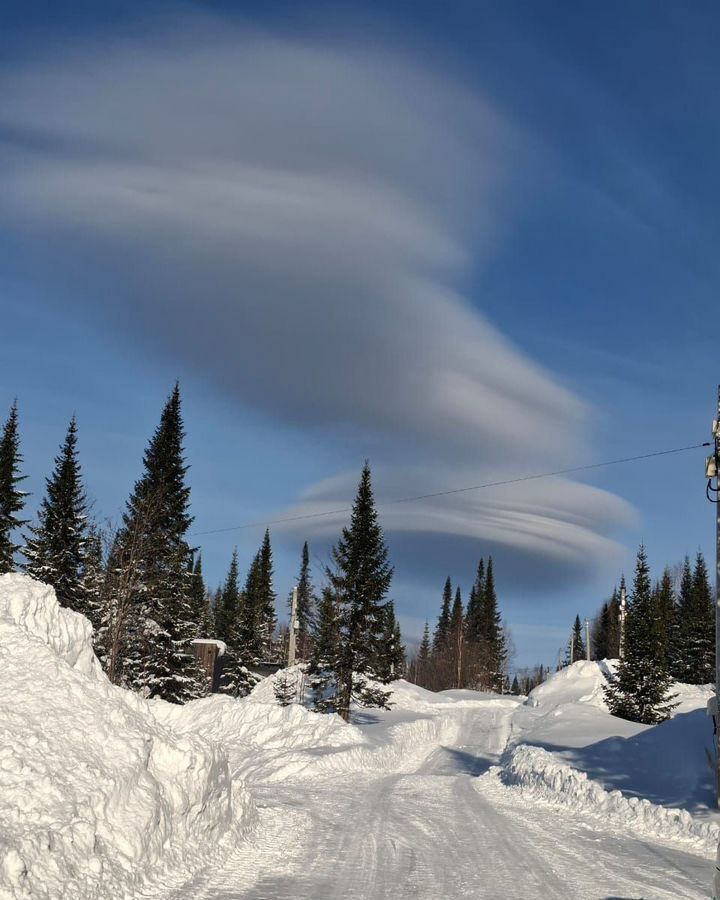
(207, 652)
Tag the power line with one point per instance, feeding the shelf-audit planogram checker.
(462, 490)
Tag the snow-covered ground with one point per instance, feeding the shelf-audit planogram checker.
(452, 795)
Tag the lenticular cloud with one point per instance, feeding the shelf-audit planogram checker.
(295, 221)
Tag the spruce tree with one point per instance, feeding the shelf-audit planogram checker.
(491, 631)
(12, 499)
(578, 645)
(442, 629)
(285, 688)
(158, 659)
(93, 579)
(325, 651)
(600, 636)
(305, 611)
(55, 551)
(457, 638)
(227, 604)
(361, 577)
(515, 687)
(265, 599)
(664, 600)
(235, 678)
(682, 612)
(248, 625)
(391, 658)
(695, 660)
(474, 612)
(422, 660)
(258, 619)
(640, 689)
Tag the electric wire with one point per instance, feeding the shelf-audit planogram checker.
(461, 490)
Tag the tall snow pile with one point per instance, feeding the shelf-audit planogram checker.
(97, 796)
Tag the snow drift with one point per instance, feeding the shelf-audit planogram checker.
(98, 796)
(541, 776)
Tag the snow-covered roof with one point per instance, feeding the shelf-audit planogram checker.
(221, 645)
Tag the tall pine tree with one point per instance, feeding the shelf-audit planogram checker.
(12, 498)
(639, 691)
(577, 643)
(491, 631)
(325, 651)
(361, 577)
(695, 652)
(57, 547)
(258, 618)
(474, 612)
(305, 610)
(235, 679)
(442, 629)
(158, 659)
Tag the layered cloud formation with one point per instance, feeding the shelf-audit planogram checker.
(296, 220)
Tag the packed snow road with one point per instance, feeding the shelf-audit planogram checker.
(447, 829)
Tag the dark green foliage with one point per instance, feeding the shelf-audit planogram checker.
(515, 687)
(257, 618)
(664, 600)
(491, 631)
(576, 649)
(600, 637)
(442, 629)
(361, 578)
(694, 652)
(55, 551)
(235, 678)
(265, 599)
(200, 614)
(94, 582)
(475, 607)
(158, 659)
(419, 668)
(640, 689)
(457, 617)
(12, 499)
(305, 611)
(391, 653)
(325, 652)
(227, 604)
(285, 688)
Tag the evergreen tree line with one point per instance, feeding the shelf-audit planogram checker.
(469, 647)
(681, 607)
(669, 634)
(147, 599)
(135, 583)
(527, 679)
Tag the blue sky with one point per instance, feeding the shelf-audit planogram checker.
(466, 240)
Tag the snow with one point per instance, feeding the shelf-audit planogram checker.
(98, 796)
(221, 645)
(454, 795)
(541, 776)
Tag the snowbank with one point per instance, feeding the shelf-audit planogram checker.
(582, 682)
(541, 776)
(268, 743)
(98, 797)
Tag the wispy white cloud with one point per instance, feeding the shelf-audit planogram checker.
(295, 221)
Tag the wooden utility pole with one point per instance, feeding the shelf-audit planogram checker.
(293, 628)
(712, 467)
(587, 639)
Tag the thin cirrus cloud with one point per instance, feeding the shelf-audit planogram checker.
(295, 221)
